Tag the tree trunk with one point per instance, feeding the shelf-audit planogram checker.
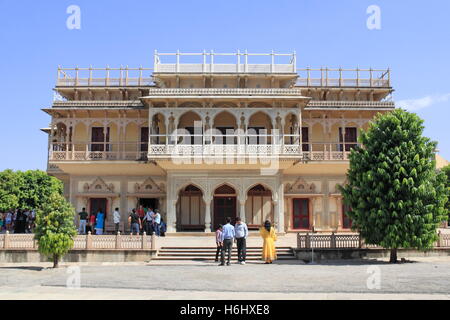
(55, 261)
(393, 258)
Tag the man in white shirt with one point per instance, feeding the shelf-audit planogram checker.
(157, 222)
(241, 232)
(116, 217)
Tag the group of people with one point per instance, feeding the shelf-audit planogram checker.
(140, 221)
(94, 222)
(18, 221)
(146, 220)
(227, 234)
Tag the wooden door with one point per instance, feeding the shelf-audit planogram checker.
(224, 207)
(300, 214)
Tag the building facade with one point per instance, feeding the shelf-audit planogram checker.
(220, 135)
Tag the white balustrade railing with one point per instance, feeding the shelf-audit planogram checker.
(203, 145)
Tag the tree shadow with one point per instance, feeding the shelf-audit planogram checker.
(30, 268)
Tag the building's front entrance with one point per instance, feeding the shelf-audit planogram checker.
(224, 205)
(149, 203)
(300, 214)
(96, 204)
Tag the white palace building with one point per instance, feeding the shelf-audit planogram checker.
(204, 136)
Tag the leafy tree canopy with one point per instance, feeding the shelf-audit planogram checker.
(396, 194)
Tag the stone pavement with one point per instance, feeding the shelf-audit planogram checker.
(425, 278)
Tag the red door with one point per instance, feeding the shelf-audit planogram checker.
(300, 215)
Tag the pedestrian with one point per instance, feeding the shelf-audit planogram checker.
(135, 222)
(33, 220)
(157, 222)
(92, 219)
(241, 232)
(227, 241)
(269, 236)
(83, 220)
(99, 222)
(8, 220)
(116, 218)
(219, 243)
(163, 228)
(148, 221)
(141, 213)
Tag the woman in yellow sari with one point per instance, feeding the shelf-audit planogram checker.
(269, 236)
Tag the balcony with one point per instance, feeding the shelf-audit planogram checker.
(200, 146)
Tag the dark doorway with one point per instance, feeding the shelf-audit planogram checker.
(96, 204)
(224, 207)
(149, 203)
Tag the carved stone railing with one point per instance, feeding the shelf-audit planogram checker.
(351, 104)
(337, 241)
(83, 242)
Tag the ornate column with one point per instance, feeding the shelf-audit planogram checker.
(281, 207)
(171, 215)
(242, 213)
(207, 200)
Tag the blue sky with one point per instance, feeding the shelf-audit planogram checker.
(413, 41)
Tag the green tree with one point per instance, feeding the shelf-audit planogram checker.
(55, 228)
(29, 189)
(396, 194)
(10, 183)
(446, 170)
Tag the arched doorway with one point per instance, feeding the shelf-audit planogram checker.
(190, 209)
(258, 207)
(224, 204)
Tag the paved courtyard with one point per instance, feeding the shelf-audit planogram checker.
(424, 278)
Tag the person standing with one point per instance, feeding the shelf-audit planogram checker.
(116, 218)
(269, 236)
(227, 241)
(157, 222)
(162, 228)
(148, 221)
(141, 213)
(241, 231)
(99, 222)
(92, 223)
(8, 220)
(135, 222)
(83, 219)
(219, 243)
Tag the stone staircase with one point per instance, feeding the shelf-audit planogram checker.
(209, 254)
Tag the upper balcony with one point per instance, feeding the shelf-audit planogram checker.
(208, 63)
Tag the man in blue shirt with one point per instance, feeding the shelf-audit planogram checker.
(241, 232)
(227, 242)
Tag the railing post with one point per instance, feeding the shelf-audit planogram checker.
(144, 240)
(333, 240)
(89, 241)
(307, 241)
(118, 244)
(153, 245)
(6, 240)
(439, 242)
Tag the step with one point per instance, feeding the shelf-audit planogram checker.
(212, 258)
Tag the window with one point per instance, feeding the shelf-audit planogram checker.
(257, 135)
(346, 221)
(223, 139)
(99, 140)
(144, 139)
(305, 139)
(350, 138)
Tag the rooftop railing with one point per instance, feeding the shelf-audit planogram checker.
(326, 77)
(108, 77)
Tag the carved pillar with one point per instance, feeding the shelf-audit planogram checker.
(171, 215)
(242, 213)
(207, 214)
